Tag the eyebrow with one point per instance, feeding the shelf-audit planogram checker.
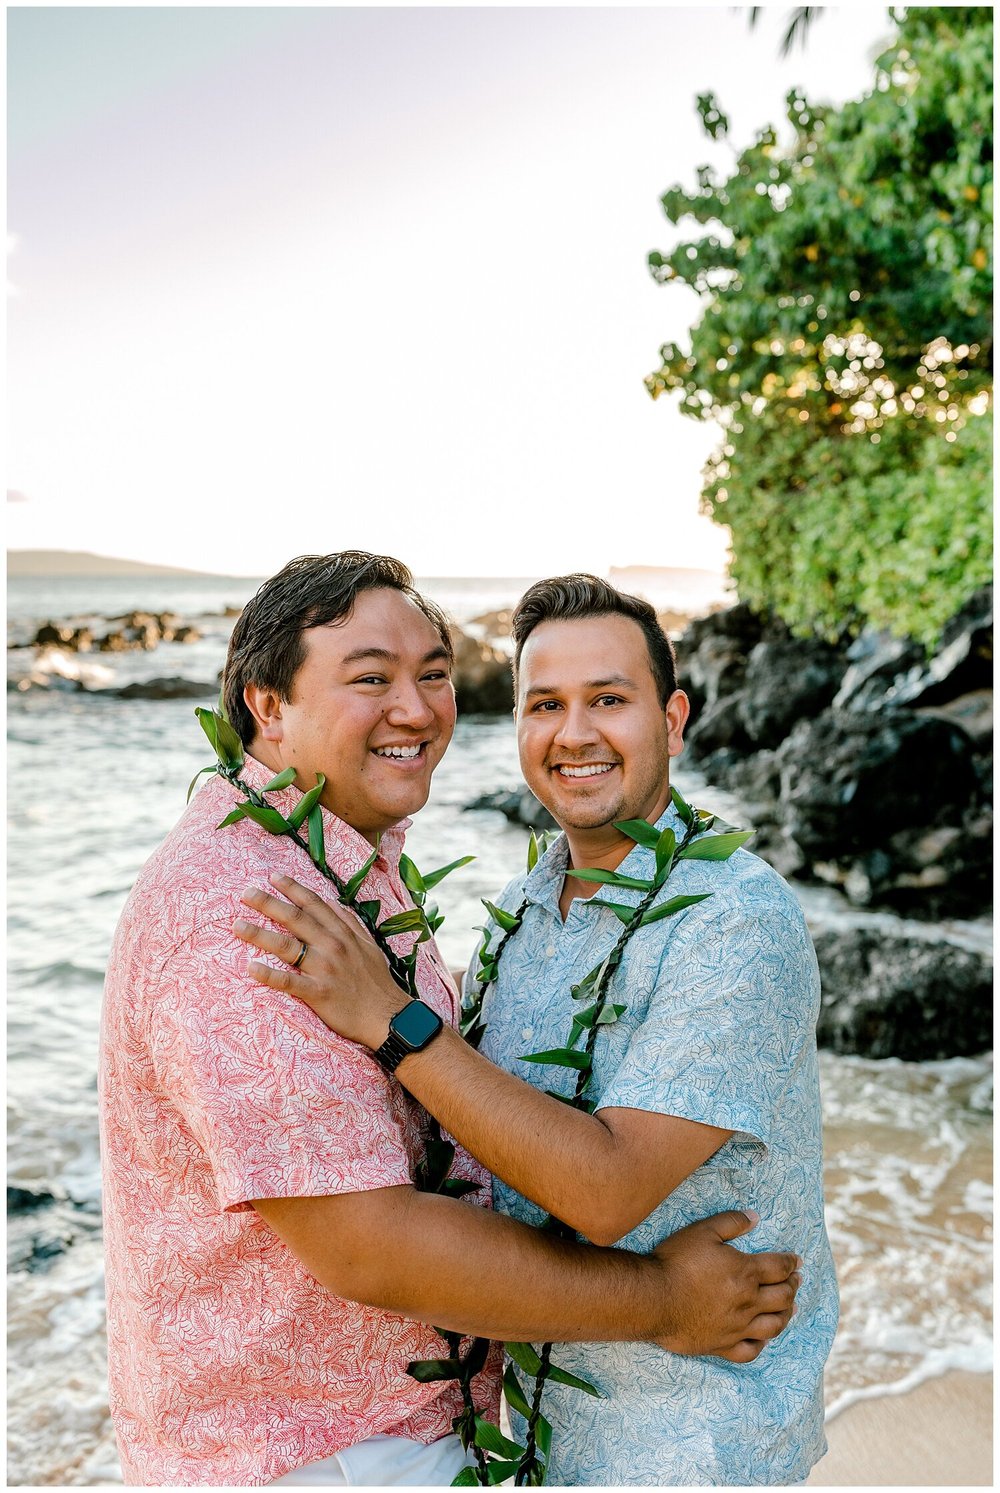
(620, 680)
(385, 656)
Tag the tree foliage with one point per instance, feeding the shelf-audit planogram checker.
(845, 340)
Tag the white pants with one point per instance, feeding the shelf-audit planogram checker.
(384, 1461)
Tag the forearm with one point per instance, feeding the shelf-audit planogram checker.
(458, 1266)
(563, 1159)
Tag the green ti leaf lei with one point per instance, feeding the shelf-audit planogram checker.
(527, 1464)
(433, 1173)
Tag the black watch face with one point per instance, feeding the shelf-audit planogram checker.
(416, 1024)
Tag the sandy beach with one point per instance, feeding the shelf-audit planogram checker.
(939, 1435)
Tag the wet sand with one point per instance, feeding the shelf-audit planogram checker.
(939, 1435)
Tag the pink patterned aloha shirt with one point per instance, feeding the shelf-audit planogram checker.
(228, 1363)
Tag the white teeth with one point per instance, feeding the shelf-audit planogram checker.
(401, 751)
(589, 770)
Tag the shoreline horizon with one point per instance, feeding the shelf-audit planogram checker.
(30, 563)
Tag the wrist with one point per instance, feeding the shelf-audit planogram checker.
(380, 1014)
(410, 1031)
(657, 1302)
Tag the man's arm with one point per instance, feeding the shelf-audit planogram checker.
(456, 1266)
(601, 1174)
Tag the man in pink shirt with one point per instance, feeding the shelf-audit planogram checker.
(271, 1268)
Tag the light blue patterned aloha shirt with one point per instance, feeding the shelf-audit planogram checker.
(720, 1028)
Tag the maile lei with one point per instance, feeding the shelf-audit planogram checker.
(497, 1458)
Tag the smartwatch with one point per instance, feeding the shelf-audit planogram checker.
(410, 1030)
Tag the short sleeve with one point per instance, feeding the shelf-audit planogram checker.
(280, 1105)
(731, 1016)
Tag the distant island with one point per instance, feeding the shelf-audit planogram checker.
(79, 562)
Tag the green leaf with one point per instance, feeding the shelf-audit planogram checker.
(639, 830)
(268, 819)
(412, 879)
(401, 922)
(716, 847)
(317, 848)
(499, 1472)
(194, 780)
(354, 883)
(586, 986)
(492, 1439)
(307, 803)
(432, 878)
(532, 850)
(503, 919)
(543, 1435)
(513, 1393)
(368, 911)
(283, 780)
(560, 1057)
(667, 909)
(438, 1157)
(467, 1478)
(227, 744)
(612, 878)
(458, 1187)
(475, 1360)
(601, 1015)
(563, 1376)
(665, 847)
(626, 914)
(525, 1357)
(233, 817)
(431, 1370)
(208, 720)
(683, 808)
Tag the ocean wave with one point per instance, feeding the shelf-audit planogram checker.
(61, 973)
(52, 668)
(974, 1358)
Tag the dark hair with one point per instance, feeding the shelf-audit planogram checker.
(266, 647)
(566, 598)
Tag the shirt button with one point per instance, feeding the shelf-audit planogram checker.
(527, 1033)
(550, 951)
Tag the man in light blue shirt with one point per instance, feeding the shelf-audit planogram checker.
(719, 1029)
(704, 1092)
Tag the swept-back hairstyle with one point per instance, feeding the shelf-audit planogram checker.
(266, 647)
(566, 598)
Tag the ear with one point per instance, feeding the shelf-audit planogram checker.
(265, 707)
(677, 710)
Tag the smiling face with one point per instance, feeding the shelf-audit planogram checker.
(594, 740)
(372, 708)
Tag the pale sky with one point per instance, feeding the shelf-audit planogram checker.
(298, 279)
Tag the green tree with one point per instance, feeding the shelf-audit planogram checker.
(845, 340)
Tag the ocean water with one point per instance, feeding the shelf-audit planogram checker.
(93, 784)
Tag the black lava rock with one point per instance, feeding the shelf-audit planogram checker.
(896, 996)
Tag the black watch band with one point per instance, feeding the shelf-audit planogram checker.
(410, 1030)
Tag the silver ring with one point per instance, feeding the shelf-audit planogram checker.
(297, 961)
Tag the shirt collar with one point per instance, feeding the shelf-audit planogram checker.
(544, 882)
(336, 831)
